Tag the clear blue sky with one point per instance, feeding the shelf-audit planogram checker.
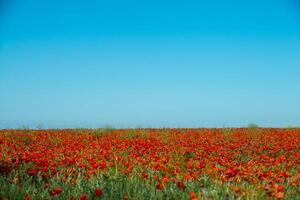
(149, 63)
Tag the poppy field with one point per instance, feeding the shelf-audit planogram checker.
(225, 163)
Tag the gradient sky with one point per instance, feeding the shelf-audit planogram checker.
(149, 63)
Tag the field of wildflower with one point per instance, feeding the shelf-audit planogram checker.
(227, 163)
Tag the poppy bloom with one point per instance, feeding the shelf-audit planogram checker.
(278, 188)
(279, 195)
(45, 186)
(165, 179)
(83, 197)
(234, 188)
(55, 191)
(145, 175)
(98, 192)
(125, 197)
(73, 198)
(181, 185)
(193, 195)
(27, 197)
(32, 171)
(159, 186)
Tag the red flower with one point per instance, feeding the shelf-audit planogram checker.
(45, 186)
(165, 179)
(159, 186)
(125, 197)
(83, 197)
(145, 175)
(278, 188)
(32, 171)
(73, 198)
(27, 197)
(55, 191)
(180, 185)
(279, 195)
(98, 192)
(193, 195)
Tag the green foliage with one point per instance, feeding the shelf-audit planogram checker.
(114, 185)
(293, 127)
(39, 126)
(252, 125)
(107, 129)
(25, 127)
(227, 133)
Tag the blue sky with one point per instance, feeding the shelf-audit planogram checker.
(149, 63)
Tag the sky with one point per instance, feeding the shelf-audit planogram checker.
(158, 63)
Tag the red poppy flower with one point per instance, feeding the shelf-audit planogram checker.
(27, 197)
(193, 195)
(279, 195)
(98, 192)
(73, 198)
(181, 185)
(165, 179)
(83, 197)
(55, 191)
(125, 197)
(32, 171)
(145, 175)
(159, 186)
(278, 188)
